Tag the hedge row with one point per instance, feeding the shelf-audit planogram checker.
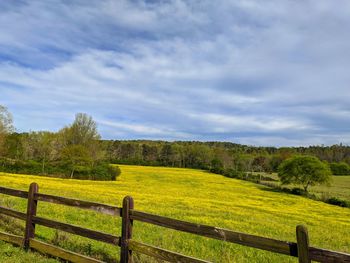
(100, 172)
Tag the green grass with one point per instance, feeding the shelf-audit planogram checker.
(339, 187)
(11, 254)
(191, 195)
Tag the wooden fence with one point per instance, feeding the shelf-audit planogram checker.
(300, 249)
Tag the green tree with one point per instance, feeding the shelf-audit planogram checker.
(43, 146)
(304, 170)
(83, 131)
(6, 126)
(13, 147)
(76, 156)
(341, 168)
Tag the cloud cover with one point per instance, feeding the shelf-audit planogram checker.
(254, 72)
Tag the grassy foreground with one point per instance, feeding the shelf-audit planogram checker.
(11, 254)
(191, 195)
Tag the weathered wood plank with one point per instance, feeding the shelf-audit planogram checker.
(127, 223)
(303, 244)
(162, 253)
(12, 213)
(101, 208)
(61, 253)
(31, 212)
(77, 230)
(282, 247)
(13, 239)
(13, 192)
(324, 255)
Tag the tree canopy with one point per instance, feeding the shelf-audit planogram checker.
(5, 125)
(304, 170)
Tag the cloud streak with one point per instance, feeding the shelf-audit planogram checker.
(272, 73)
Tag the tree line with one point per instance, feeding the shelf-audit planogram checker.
(77, 151)
(74, 151)
(220, 156)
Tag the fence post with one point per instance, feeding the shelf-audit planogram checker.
(125, 253)
(303, 244)
(31, 211)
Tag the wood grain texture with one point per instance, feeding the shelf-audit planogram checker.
(162, 254)
(31, 212)
(101, 208)
(77, 230)
(13, 239)
(303, 244)
(324, 255)
(61, 253)
(127, 223)
(282, 247)
(13, 213)
(13, 192)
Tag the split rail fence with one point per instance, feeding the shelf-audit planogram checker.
(299, 249)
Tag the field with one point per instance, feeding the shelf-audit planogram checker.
(339, 187)
(191, 195)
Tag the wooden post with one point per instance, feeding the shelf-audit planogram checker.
(125, 253)
(303, 244)
(31, 211)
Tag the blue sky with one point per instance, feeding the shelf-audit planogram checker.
(253, 72)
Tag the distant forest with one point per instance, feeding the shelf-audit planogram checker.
(187, 154)
(77, 151)
(205, 155)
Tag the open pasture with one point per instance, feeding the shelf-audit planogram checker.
(339, 186)
(191, 195)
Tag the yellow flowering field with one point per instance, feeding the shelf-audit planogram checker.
(191, 195)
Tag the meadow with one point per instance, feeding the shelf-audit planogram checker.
(191, 195)
(339, 187)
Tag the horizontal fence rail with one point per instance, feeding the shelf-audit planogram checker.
(282, 247)
(48, 249)
(77, 230)
(12, 213)
(162, 253)
(128, 245)
(101, 208)
(14, 192)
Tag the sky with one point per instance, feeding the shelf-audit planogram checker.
(270, 73)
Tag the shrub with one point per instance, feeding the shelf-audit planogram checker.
(297, 191)
(101, 171)
(341, 168)
(233, 173)
(216, 166)
(339, 202)
(105, 172)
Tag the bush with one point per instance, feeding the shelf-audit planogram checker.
(105, 172)
(338, 202)
(81, 172)
(341, 168)
(216, 166)
(233, 173)
(17, 166)
(100, 172)
(297, 191)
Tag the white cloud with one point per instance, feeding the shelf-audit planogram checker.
(274, 72)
